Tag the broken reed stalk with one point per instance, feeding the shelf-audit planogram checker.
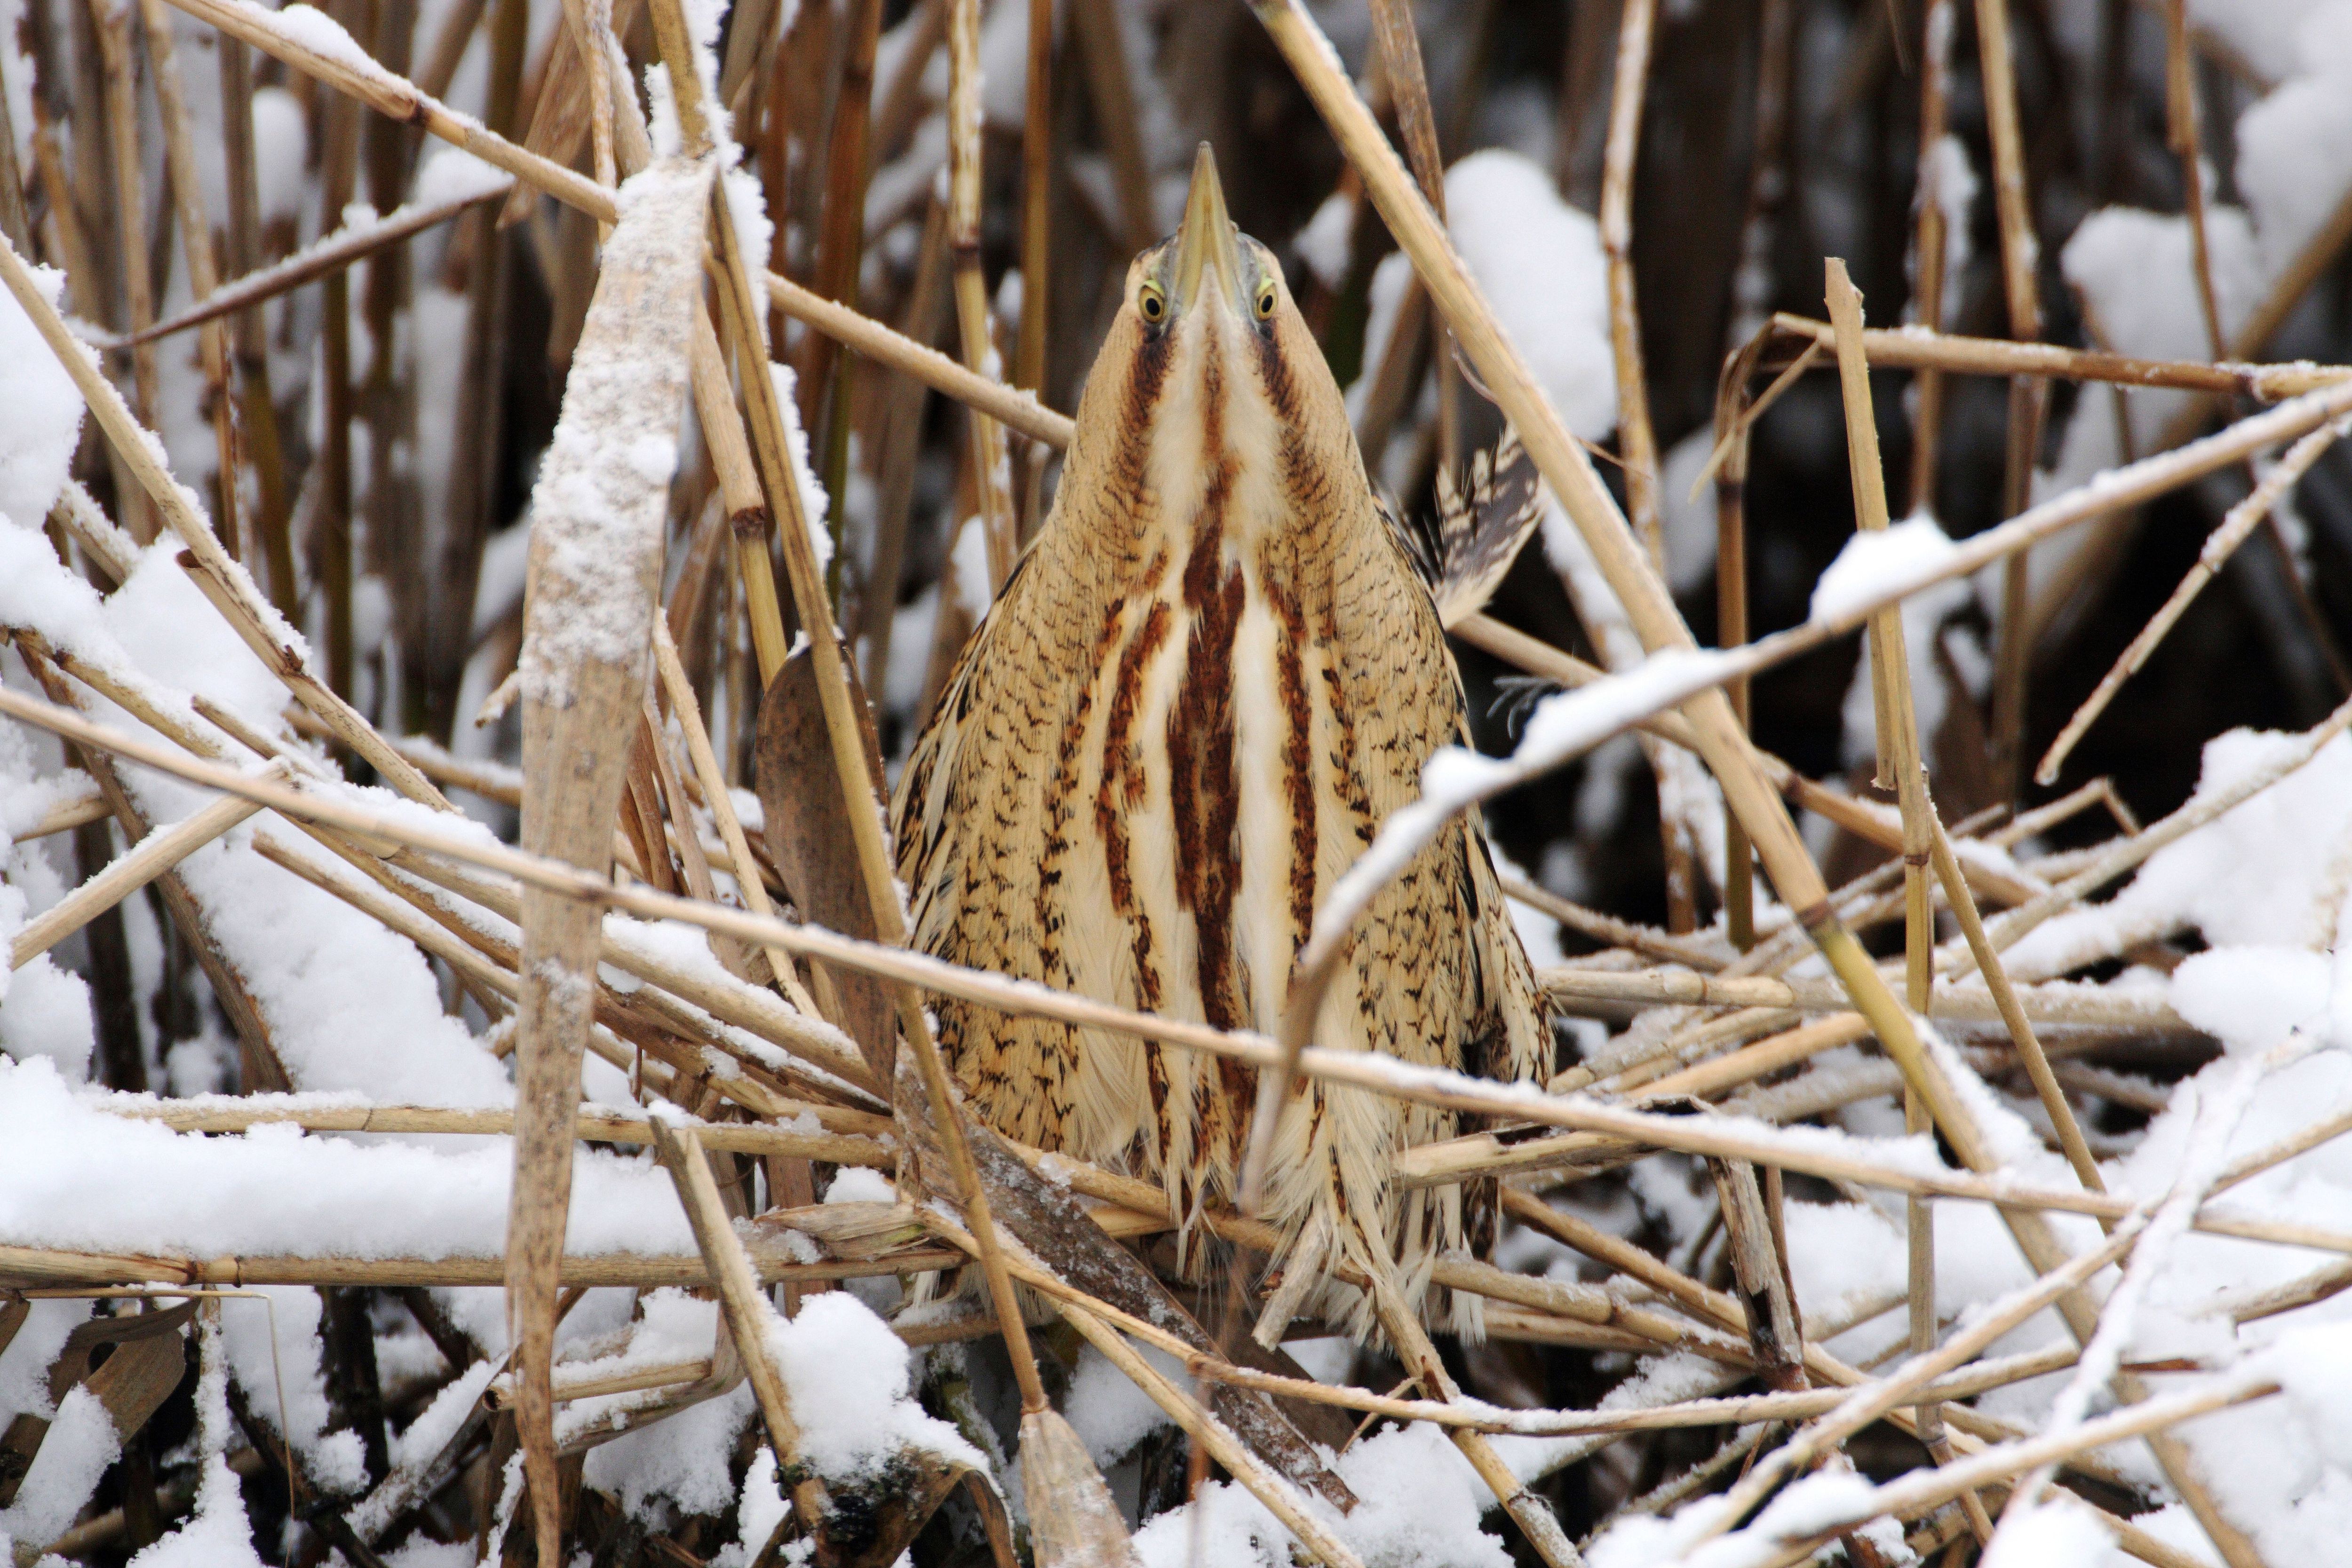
(63, 817)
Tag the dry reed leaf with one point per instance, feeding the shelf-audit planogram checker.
(587, 632)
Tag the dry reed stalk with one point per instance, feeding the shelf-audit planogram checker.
(2152, 1422)
(1712, 1305)
(262, 1069)
(142, 864)
(2020, 249)
(2013, 1015)
(983, 393)
(1637, 442)
(1864, 819)
(2240, 521)
(1530, 1513)
(1037, 202)
(490, 969)
(203, 271)
(751, 1008)
(1867, 1403)
(27, 1267)
(1975, 1378)
(824, 400)
(1636, 438)
(1204, 1429)
(902, 420)
(716, 795)
(2061, 1005)
(1929, 243)
(905, 100)
(747, 1314)
(1899, 766)
(748, 516)
(599, 1126)
(112, 23)
(335, 251)
(991, 476)
(1914, 348)
(15, 218)
(1408, 84)
(1112, 88)
(2185, 141)
(66, 815)
(1609, 929)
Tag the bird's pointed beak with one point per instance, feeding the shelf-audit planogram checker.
(1208, 243)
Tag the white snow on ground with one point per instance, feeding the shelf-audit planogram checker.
(75, 1177)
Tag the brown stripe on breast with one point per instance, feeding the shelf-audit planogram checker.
(1297, 754)
(1203, 789)
(1122, 789)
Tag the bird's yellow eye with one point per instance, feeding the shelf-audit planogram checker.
(1266, 300)
(1153, 303)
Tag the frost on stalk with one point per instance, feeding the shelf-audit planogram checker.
(816, 504)
(603, 487)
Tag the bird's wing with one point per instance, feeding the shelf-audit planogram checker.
(1482, 524)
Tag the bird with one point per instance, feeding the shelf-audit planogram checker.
(1212, 675)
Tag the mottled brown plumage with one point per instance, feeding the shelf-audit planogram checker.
(1211, 676)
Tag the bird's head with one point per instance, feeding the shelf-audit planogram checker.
(1208, 283)
(1211, 371)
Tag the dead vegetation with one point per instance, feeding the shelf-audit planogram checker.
(677, 729)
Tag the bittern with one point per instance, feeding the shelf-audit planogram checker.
(1207, 680)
